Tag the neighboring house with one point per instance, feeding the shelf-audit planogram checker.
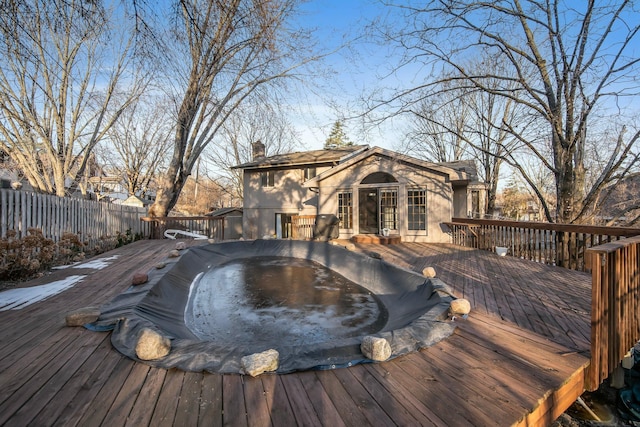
(371, 191)
(134, 201)
(112, 189)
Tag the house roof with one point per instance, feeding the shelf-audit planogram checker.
(135, 201)
(463, 171)
(298, 158)
(224, 211)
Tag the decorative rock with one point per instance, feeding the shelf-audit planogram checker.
(429, 272)
(258, 363)
(174, 254)
(139, 279)
(151, 345)
(180, 246)
(375, 348)
(460, 307)
(161, 265)
(82, 316)
(350, 247)
(211, 241)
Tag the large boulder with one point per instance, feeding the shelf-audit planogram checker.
(258, 363)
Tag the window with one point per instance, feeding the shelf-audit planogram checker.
(345, 209)
(389, 209)
(309, 173)
(417, 209)
(267, 178)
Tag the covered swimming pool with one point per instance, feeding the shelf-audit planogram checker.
(313, 302)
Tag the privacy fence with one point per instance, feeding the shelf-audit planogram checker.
(92, 221)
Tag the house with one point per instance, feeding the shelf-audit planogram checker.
(373, 191)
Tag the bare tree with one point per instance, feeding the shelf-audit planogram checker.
(438, 130)
(233, 48)
(66, 75)
(135, 149)
(253, 121)
(566, 65)
(462, 122)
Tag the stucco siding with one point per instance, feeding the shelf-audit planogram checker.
(439, 196)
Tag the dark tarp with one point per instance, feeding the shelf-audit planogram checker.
(417, 308)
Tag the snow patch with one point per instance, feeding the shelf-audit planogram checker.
(97, 264)
(16, 299)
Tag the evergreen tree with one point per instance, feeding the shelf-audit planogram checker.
(337, 137)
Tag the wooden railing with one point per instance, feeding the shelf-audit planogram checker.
(302, 227)
(615, 305)
(211, 227)
(563, 245)
(612, 254)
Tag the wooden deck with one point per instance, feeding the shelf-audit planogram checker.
(519, 359)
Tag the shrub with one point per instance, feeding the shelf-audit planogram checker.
(22, 258)
(26, 256)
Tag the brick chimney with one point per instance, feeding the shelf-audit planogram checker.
(258, 150)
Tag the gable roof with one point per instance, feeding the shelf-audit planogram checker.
(463, 171)
(299, 158)
(225, 211)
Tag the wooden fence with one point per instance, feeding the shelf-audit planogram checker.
(615, 305)
(563, 245)
(302, 227)
(91, 220)
(210, 227)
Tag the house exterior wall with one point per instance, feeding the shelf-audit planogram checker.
(286, 196)
(439, 197)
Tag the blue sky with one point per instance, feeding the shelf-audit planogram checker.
(356, 67)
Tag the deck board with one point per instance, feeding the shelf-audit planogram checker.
(278, 401)
(518, 359)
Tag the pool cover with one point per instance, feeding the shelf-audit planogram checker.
(354, 295)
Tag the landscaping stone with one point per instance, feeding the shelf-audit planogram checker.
(375, 348)
(429, 272)
(460, 307)
(151, 345)
(350, 247)
(161, 265)
(82, 316)
(375, 255)
(139, 279)
(174, 254)
(258, 363)
(180, 246)
(211, 241)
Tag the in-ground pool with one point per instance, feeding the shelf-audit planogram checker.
(314, 302)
